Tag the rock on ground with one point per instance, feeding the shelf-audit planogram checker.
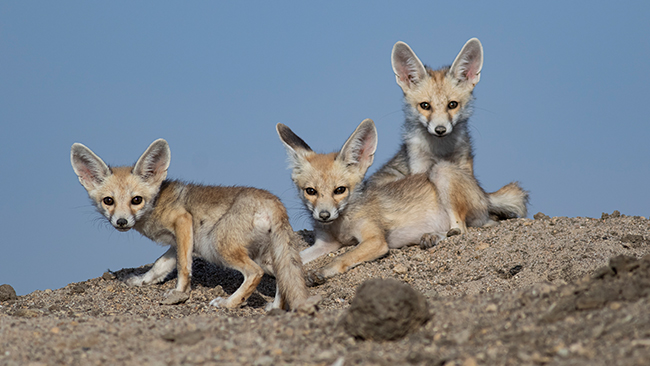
(385, 309)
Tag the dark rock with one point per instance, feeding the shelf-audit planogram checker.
(614, 214)
(78, 288)
(108, 276)
(635, 241)
(540, 216)
(516, 269)
(385, 309)
(186, 338)
(7, 293)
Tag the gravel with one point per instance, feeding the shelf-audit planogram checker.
(549, 290)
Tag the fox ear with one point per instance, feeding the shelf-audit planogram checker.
(153, 164)
(408, 68)
(469, 62)
(296, 147)
(360, 147)
(90, 169)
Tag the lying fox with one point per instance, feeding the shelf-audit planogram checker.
(412, 210)
(437, 106)
(243, 228)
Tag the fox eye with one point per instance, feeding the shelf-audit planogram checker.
(452, 105)
(136, 200)
(339, 190)
(108, 201)
(310, 191)
(426, 106)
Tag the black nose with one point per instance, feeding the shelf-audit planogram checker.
(122, 222)
(440, 130)
(324, 215)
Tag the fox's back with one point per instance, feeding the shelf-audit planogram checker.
(212, 202)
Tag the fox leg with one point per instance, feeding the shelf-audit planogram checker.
(185, 247)
(372, 246)
(323, 244)
(238, 259)
(449, 180)
(429, 240)
(158, 272)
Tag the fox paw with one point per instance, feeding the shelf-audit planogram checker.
(314, 279)
(453, 232)
(429, 240)
(226, 303)
(135, 281)
(219, 302)
(175, 297)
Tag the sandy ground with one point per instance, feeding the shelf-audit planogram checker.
(527, 292)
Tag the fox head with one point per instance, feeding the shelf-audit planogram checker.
(122, 194)
(326, 182)
(438, 99)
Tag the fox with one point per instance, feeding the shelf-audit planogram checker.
(437, 107)
(347, 212)
(243, 228)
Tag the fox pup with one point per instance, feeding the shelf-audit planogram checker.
(408, 211)
(243, 228)
(437, 107)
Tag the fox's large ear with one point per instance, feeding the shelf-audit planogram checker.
(296, 147)
(360, 148)
(153, 164)
(408, 68)
(469, 62)
(90, 169)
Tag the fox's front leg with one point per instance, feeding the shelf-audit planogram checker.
(323, 244)
(372, 246)
(184, 248)
(158, 272)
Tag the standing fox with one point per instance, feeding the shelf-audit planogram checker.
(437, 105)
(243, 228)
(412, 210)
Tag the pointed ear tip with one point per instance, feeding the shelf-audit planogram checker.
(476, 43)
(368, 123)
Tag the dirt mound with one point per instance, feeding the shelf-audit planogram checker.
(562, 291)
(385, 309)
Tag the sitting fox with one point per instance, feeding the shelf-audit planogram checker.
(413, 210)
(243, 228)
(437, 107)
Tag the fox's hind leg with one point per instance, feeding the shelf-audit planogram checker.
(239, 260)
(460, 196)
(252, 277)
(446, 177)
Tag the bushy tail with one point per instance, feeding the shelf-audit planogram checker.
(508, 202)
(287, 266)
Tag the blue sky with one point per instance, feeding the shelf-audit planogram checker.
(561, 106)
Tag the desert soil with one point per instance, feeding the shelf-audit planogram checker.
(543, 291)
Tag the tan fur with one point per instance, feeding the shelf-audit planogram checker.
(437, 107)
(408, 211)
(243, 228)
